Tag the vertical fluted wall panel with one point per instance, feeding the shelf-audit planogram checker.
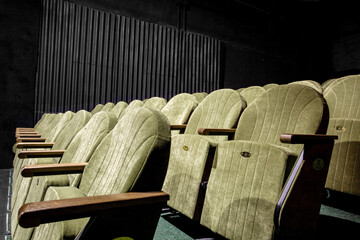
(87, 56)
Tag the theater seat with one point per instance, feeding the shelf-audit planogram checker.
(179, 109)
(97, 108)
(270, 85)
(132, 157)
(79, 150)
(251, 93)
(199, 96)
(44, 120)
(248, 172)
(50, 135)
(343, 97)
(189, 151)
(310, 83)
(156, 103)
(132, 105)
(119, 108)
(108, 107)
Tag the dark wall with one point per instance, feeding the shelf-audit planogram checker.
(263, 41)
(19, 21)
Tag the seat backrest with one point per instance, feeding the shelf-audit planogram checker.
(108, 106)
(87, 139)
(78, 121)
(179, 108)
(133, 105)
(270, 85)
(251, 93)
(119, 108)
(199, 96)
(156, 103)
(97, 108)
(343, 97)
(43, 117)
(327, 83)
(310, 83)
(291, 108)
(45, 133)
(48, 117)
(63, 122)
(121, 162)
(220, 109)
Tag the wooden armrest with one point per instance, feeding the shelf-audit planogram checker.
(24, 129)
(178, 126)
(30, 139)
(27, 135)
(41, 153)
(35, 145)
(216, 131)
(306, 138)
(26, 132)
(52, 169)
(34, 214)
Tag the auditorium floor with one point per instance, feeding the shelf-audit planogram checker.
(339, 218)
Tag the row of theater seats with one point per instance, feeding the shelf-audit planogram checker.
(226, 168)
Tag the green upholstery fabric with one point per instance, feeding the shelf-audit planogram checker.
(119, 164)
(56, 231)
(343, 98)
(45, 133)
(251, 93)
(108, 107)
(242, 191)
(119, 108)
(310, 83)
(80, 149)
(132, 105)
(292, 108)
(156, 103)
(270, 85)
(199, 96)
(325, 84)
(42, 125)
(344, 170)
(248, 173)
(179, 109)
(51, 137)
(220, 109)
(97, 108)
(189, 151)
(42, 119)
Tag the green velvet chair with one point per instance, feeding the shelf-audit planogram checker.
(156, 103)
(79, 149)
(132, 157)
(310, 83)
(251, 93)
(270, 85)
(248, 173)
(108, 107)
(327, 83)
(97, 108)
(199, 96)
(45, 119)
(132, 105)
(50, 135)
(119, 108)
(179, 109)
(189, 151)
(343, 97)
